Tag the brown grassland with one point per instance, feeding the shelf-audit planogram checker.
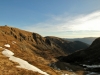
(24, 49)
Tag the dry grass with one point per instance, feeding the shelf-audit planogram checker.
(8, 67)
(24, 50)
(80, 72)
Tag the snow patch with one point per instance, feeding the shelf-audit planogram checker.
(7, 45)
(7, 53)
(92, 66)
(22, 63)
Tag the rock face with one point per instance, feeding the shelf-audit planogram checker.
(91, 55)
(67, 46)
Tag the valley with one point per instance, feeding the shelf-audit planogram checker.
(44, 55)
(49, 37)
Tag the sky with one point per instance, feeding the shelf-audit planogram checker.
(60, 18)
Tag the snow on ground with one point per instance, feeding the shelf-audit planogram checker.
(7, 53)
(22, 63)
(7, 45)
(92, 66)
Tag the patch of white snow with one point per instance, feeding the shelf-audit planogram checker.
(22, 63)
(7, 45)
(7, 53)
(92, 66)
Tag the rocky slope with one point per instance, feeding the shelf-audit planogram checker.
(25, 48)
(67, 46)
(33, 48)
(29, 42)
(91, 55)
(88, 58)
(46, 47)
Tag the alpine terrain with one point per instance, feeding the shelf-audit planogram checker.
(28, 53)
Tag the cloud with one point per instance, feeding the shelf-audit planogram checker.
(64, 23)
(81, 22)
(86, 22)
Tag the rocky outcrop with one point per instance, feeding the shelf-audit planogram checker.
(67, 46)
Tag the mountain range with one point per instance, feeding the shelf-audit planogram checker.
(87, 40)
(88, 58)
(84, 56)
(33, 49)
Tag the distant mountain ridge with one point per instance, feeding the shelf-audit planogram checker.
(87, 40)
(88, 58)
(91, 55)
